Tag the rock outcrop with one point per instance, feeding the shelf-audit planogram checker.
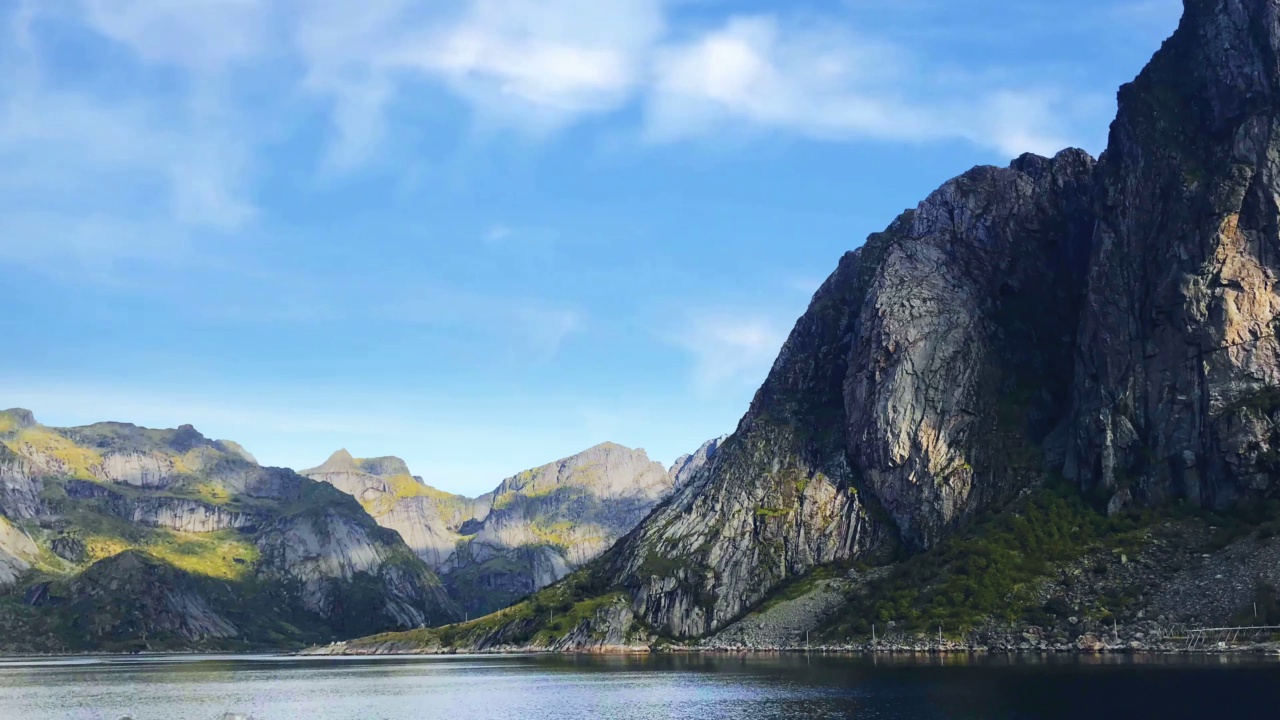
(136, 597)
(429, 520)
(909, 397)
(547, 521)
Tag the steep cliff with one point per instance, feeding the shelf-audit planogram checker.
(1177, 385)
(912, 395)
(17, 552)
(172, 506)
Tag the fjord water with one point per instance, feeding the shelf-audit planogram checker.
(702, 687)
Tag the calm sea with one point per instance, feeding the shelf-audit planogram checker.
(696, 687)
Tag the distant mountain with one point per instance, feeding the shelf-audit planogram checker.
(532, 530)
(114, 536)
(429, 520)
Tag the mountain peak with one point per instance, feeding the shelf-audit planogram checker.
(16, 419)
(340, 461)
(185, 438)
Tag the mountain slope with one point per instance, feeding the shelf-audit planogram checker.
(532, 530)
(111, 515)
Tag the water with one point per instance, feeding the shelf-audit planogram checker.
(697, 687)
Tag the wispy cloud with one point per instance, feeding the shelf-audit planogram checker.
(93, 177)
(532, 65)
(832, 84)
(730, 350)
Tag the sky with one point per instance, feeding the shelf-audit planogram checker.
(484, 234)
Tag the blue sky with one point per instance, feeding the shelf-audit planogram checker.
(484, 234)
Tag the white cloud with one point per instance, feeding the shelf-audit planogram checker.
(730, 351)
(76, 175)
(829, 84)
(534, 65)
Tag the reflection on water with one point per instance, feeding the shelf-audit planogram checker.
(640, 687)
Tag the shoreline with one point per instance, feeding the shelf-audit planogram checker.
(354, 648)
(1269, 649)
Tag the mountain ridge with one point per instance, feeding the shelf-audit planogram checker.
(531, 530)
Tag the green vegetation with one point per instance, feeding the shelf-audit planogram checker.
(798, 586)
(402, 487)
(539, 620)
(76, 461)
(990, 571)
(225, 555)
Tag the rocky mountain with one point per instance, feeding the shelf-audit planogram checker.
(1112, 322)
(430, 521)
(116, 536)
(532, 530)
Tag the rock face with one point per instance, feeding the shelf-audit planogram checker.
(1178, 362)
(348, 569)
(171, 505)
(908, 398)
(532, 530)
(16, 552)
(133, 595)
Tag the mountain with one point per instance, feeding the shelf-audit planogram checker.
(532, 530)
(114, 536)
(1110, 322)
(430, 521)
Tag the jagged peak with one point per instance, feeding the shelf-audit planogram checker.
(1221, 66)
(339, 461)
